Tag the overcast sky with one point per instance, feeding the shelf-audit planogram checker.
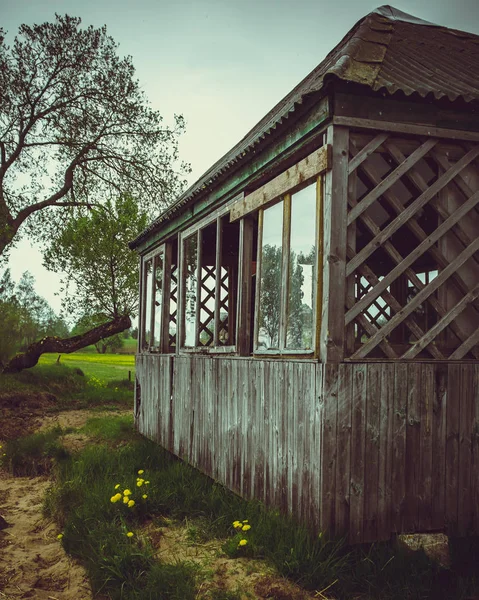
(222, 64)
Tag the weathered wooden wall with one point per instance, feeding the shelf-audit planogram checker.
(370, 449)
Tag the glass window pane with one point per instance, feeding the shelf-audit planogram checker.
(270, 279)
(302, 260)
(147, 290)
(158, 301)
(191, 259)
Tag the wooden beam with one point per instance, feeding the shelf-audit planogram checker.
(390, 180)
(466, 346)
(243, 319)
(334, 259)
(417, 230)
(444, 322)
(418, 299)
(410, 211)
(219, 252)
(411, 258)
(452, 134)
(313, 165)
(165, 304)
(368, 149)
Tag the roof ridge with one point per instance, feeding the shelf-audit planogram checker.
(394, 14)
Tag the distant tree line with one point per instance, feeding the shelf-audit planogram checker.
(24, 316)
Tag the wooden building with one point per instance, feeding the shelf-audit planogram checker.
(309, 308)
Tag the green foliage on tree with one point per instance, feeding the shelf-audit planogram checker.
(24, 316)
(75, 129)
(270, 293)
(9, 318)
(100, 274)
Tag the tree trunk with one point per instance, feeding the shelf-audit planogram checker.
(30, 357)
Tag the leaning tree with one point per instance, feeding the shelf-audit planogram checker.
(75, 131)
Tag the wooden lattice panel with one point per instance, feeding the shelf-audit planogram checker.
(412, 248)
(173, 317)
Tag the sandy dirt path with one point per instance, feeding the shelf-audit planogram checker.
(32, 561)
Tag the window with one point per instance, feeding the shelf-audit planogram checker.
(286, 286)
(210, 281)
(159, 299)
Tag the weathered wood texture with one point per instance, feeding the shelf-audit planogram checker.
(313, 165)
(360, 449)
(412, 248)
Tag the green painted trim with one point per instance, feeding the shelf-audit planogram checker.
(304, 131)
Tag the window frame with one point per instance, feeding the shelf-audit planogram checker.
(197, 229)
(163, 347)
(286, 199)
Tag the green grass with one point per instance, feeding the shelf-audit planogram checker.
(95, 529)
(124, 567)
(33, 455)
(129, 347)
(71, 386)
(113, 429)
(106, 367)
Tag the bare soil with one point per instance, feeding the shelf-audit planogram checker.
(33, 563)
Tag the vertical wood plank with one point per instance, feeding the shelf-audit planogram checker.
(306, 441)
(334, 259)
(385, 452)
(439, 446)
(268, 433)
(316, 444)
(371, 444)
(343, 463)
(413, 444)
(425, 498)
(464, 514)
(475, 453)
(329, 449)
(358, 422)
(452, 446)
(398, 481)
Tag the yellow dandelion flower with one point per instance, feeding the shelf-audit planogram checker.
(242, 542)
(140, 472)
(145, 496)
(131, 504)
(147, 482)
(246, 527)
(125, 500)
(127, 492)
(117, 486)
(59, 536)
(140, 482)
(130, 534)
(114, 499)
(246, 521)
(237, 524)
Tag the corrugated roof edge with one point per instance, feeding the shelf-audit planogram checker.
(281, 111)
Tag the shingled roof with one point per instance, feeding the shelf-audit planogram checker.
(387, 50)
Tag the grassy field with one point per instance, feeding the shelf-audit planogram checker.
(105, 367)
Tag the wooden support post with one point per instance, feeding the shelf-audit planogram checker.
(334, 258)
(244, 307)
(165, 306)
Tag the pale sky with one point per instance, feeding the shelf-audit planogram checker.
(222, 64)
